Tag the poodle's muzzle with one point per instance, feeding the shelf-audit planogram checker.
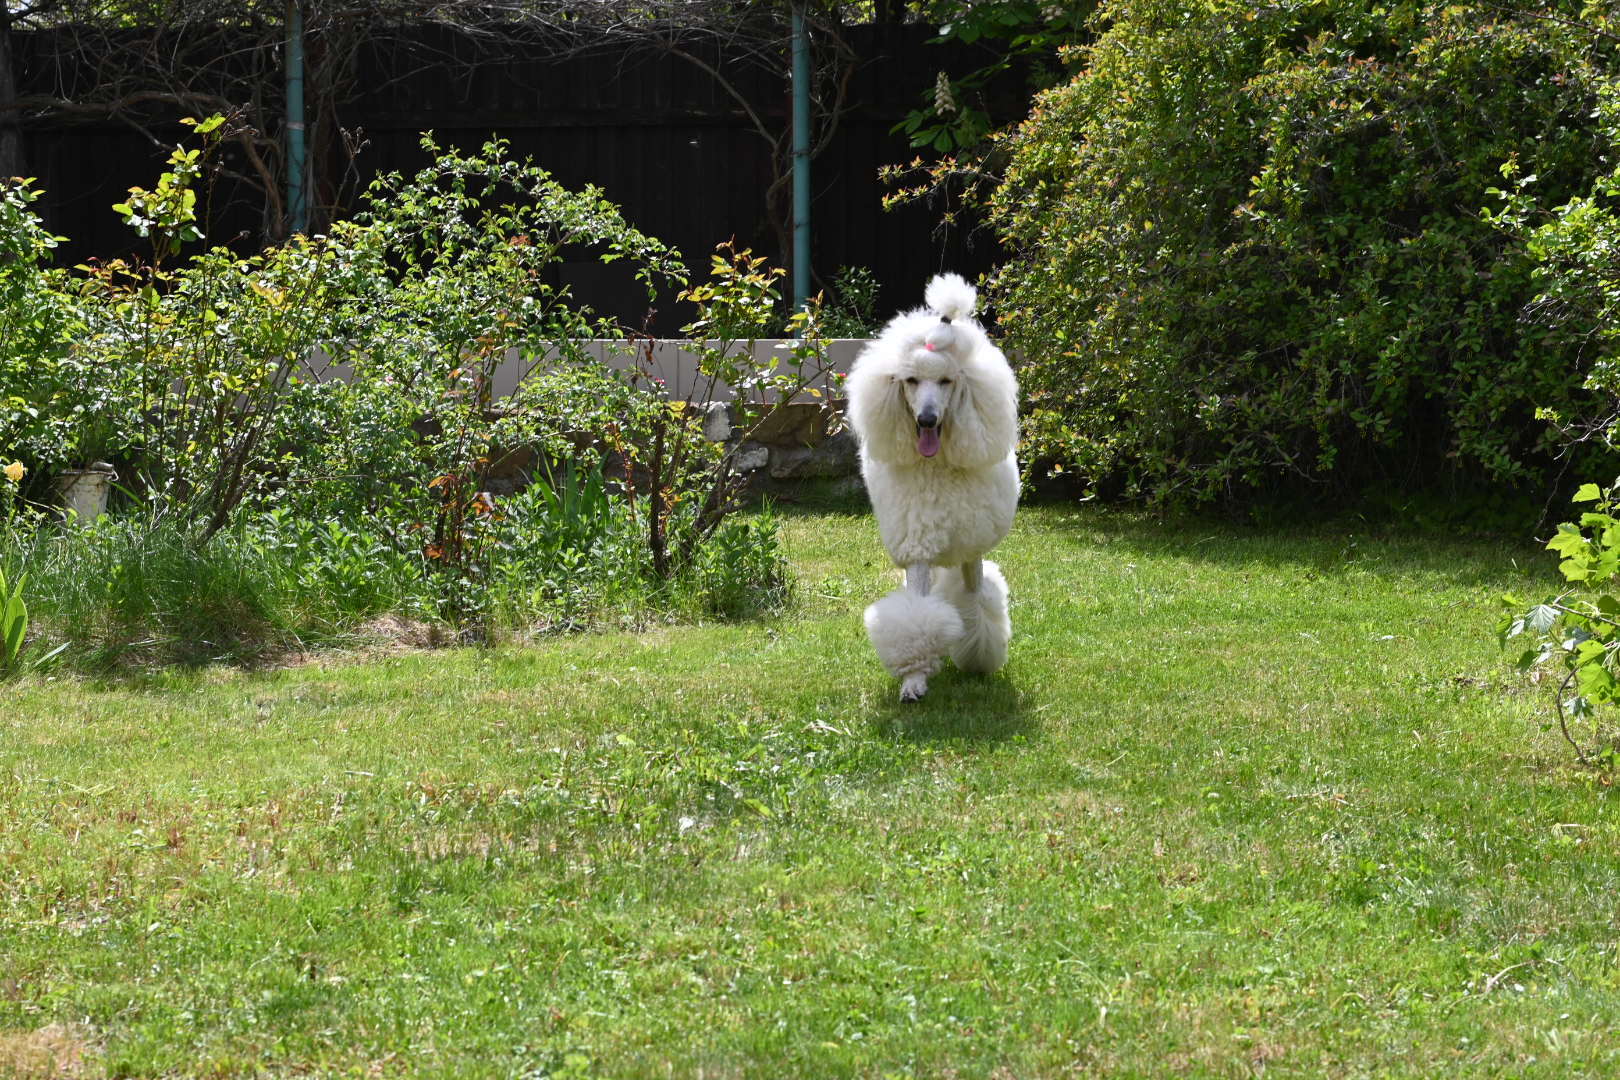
(928, 434)
(927, 411)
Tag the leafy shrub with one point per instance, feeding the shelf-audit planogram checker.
(281, 506)
(1575, 249)
(460, 264)
(1579, 628)
(33, 333)
(179, 368)
(185, 374)
(741, 570)
(1248, 248)
(852, 311)
(694, 485)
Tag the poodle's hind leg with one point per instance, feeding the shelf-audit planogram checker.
(972, 574)
(911, 634)
(978, 592)
(917, 578)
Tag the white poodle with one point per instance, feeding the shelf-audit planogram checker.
(935, 408)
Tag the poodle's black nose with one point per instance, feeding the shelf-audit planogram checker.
(927, 419)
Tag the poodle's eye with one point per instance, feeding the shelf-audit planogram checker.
(911, 380)
(945, 382)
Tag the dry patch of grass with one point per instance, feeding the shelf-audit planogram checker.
(53, 1052)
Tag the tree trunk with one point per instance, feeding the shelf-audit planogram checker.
(11, 148)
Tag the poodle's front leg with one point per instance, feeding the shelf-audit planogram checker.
(913, 688)
(972, 574)
(913, 629)
(915, 684)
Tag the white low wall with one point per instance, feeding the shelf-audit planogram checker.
(671, 361)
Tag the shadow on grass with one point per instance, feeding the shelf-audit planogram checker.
(817, 496)
(960, 708)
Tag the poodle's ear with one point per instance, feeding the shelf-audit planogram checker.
(981, 427)
(878, 410)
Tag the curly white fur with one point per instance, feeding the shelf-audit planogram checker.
(949, 295)
(935, 408)
(911, 632)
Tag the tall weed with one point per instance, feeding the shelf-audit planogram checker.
(138, 591)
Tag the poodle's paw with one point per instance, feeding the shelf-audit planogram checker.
(913, 688)
(911, 634)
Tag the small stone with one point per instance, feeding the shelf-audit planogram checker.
(751, 457)
(835, 456)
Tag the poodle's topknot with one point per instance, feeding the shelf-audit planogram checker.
(952, 297)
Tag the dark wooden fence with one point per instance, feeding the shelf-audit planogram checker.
(657, 134)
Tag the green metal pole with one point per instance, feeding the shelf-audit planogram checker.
(801, 160)
(297, 201)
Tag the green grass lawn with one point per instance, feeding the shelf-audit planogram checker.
(1242, 802)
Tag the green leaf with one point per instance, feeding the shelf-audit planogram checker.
(1589, 650)
(14, 626)
(1587, 493)
(1595, 682)
(1568, 541)
(1541, 618)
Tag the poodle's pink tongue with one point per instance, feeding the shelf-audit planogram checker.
(928, 441)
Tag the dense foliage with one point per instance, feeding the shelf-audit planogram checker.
(1575, 246)
(1248, 246)
(33, 328)
(1578, 629)
(314, 435)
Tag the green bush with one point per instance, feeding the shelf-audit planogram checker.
(34, 334)
(1248, 248)
(852, 312)
(185, 375)
(1575, 248)
(275, 506)
(1578, 629)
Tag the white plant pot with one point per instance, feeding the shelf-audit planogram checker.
(84, 491)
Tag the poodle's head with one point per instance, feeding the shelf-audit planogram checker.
(933, 382)
(927, 368)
